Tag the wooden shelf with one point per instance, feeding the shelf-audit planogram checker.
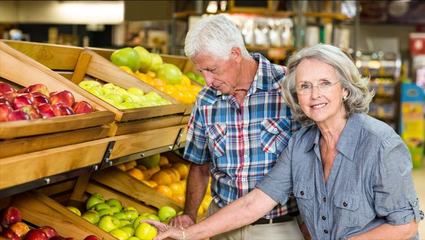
(329, 15)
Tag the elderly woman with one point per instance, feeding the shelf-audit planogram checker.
(350, 173)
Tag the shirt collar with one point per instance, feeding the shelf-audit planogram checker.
(345, 145)
(268, 75)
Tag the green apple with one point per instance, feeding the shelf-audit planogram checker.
(121, 216)
(145, 58)
(126, 57)
(156, 62)
(114, 203)
(91, 216)
(101, 206)
(150, 161)
(87, 84)
(133, 238)
(144, 216)
(97, 91)
(108, 223)
(165, 213)
(74, 210)
(106, 212)
(128, 229)
(191, 75)
(136, 91)
(131, 214)
(124, 223)
(115, 209)
(120, 234)
(93, 200)
(146, 231)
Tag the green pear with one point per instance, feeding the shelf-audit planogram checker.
(74, 210)
(120, 234)
(128, 229)
(108, 223)
(165, 213)
(93, 200)
(91, 216)
(146, 231)
(145, 58)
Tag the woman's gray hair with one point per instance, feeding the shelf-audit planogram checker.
(359, 96)
(216, 35)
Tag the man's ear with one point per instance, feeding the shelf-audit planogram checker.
(235, 54)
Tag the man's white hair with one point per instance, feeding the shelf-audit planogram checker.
(215, 35)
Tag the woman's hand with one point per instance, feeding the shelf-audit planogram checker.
(167, 231)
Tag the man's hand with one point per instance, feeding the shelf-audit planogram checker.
(182, 221)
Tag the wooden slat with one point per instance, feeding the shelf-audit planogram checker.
(81, 68)
(143, 141)
(27, 167)
(24, 128)
(77, 196)
(148, 124)
(124, 183)
(106, 193)
(42, 210)
(56, 57)
(23, 145)
(57, 188)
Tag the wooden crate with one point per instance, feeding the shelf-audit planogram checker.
(126, 184)
(40, 209)
(28, 167)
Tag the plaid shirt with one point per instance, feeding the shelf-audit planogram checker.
(241, 143)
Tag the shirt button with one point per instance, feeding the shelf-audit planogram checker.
(325, 231)
(323, 218)
(302, 193)
(345, 204)
(324, 199)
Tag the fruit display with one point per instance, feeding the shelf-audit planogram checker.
(167, 178)
(121, 98)
(150, 68)
(196, 77)
(13, 227)
(35, 102)
(120, 221)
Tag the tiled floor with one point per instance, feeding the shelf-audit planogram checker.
(419, 178)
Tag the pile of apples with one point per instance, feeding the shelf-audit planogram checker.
(124, 223)
(167, 178)
(35, 101)
(150, 68)
(12, 227)
(121, 98)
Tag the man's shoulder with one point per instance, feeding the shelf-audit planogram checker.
(207, 96)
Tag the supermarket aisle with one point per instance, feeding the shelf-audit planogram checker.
(419, 178)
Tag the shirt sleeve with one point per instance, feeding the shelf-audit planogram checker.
(395, 195)
(277, 184)
(196, 149)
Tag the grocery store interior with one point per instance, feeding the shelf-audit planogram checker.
(128, 143)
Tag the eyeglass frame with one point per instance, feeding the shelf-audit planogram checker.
(321, 87)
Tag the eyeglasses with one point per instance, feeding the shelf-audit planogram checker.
(307, 87)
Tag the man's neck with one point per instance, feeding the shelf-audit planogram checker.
(248, 71)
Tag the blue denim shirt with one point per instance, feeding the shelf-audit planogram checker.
(370, 182)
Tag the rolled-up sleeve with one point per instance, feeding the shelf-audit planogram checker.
(277, 184)
(395, 195)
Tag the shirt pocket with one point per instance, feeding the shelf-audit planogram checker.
(275, 134)
(348, 211)
(303, 193)
(217, 139)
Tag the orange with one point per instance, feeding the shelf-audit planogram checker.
(163, 161)
(121, 167)
(185, 80)
(136, 173)
(130, 165)
(158, 82)
(164, 190)
(151, 74)
(180, 199)
(162, 178)
(126, 69)
(175, 175)
(182, 168)
(176, 188)
(151, 171)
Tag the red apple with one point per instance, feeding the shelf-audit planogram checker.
(36, 234)
(31, 111)
(10, 96)
(4, 100)
(20, 228)
(49, 231)
(10, 216)
(20, 101)
(9, 234)
(46, 110)
(91, 237)
(39, 99)
(16, 115)
(22, 90)
(82, 107)
(65, 97)
(39, 87)
(5, 109)
(6, 88)
(62, 110)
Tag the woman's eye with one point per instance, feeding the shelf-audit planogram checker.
(325, 83)
(305, 86)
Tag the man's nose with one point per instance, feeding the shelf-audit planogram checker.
(208, 79)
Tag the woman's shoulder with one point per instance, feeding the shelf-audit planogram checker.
(372, 127)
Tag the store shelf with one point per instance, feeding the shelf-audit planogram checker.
(328, 15)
